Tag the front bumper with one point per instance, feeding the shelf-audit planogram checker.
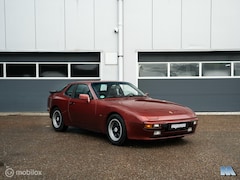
(165, 130)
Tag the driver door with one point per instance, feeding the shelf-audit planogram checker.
(82, 112)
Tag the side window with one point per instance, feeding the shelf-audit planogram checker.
(70, 90)
(82, 89)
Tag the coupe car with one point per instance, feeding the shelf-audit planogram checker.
(119, 110)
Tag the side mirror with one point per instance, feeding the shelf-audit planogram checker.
(146, 94)
(84, 97)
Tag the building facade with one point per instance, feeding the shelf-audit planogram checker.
(187, 51)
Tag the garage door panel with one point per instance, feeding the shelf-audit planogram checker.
(27, 95)
(200, 94)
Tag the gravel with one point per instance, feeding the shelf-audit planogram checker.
(31, 149)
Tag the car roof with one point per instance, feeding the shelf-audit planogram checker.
(90, 82)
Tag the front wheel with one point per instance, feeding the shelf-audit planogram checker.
(116, 130)
(57, 121)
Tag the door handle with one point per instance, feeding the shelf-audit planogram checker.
(71, 103)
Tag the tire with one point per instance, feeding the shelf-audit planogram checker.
(116, 130)
(57, 121)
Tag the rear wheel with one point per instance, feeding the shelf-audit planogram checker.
(57, 121)
(116, 130)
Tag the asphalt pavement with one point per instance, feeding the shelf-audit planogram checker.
(31, 149)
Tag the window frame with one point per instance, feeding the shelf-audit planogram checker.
(200, 65)
(233, 70)
(2, 70)
(183, 63)
(50, 65)
(72, 70)
(205, 63)
(37, 65)
(16, 63)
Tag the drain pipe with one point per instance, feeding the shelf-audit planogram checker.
(120, 40)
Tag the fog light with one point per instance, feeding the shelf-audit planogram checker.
(189, 129)
(157, 133)
(156, 125)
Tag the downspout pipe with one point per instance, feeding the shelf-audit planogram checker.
(120, 40)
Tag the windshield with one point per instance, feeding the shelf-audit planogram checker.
(115, 89)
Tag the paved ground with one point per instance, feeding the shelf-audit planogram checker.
(31, 149)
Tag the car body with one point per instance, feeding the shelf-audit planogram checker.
(120, 110)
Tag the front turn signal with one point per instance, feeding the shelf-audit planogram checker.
(148, 126)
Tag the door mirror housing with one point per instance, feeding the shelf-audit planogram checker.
(84, 97)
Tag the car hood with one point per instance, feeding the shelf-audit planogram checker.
(154, 109)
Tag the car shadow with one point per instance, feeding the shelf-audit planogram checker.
(156, 143)
(131, 143)
(75, 130)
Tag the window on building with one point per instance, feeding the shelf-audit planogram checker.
(149, 70)
(53, 70)
(1, 70)
(216, 69)
(188, 65)
(84, 70)
(184, 69)
(236, 69)
(189, 69)
(20, 70)
(49, 70)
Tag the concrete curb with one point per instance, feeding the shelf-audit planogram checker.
(218, 113)
(24, 113)
(47, 114)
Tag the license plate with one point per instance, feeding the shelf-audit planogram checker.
(178, 126)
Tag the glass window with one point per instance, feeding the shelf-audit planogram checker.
(216, 69)
(1, 70)
(115, 89)
(53, 70)
(236, 69)
(184, 69)
(153, 70)
(82, 89)
(70, 90)
(84, 70)
(21, 70)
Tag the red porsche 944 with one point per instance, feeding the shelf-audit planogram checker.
(120, 110)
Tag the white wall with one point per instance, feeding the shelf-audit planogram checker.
(105, 22)
(225, 24)
(79, 25)
(196, 20)
(105, 37)
(2, 25)
(149, 25)
(58, 25)
(19, 25)
(50, 25)
(166, 24)
(137, 34)
(89, 25)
